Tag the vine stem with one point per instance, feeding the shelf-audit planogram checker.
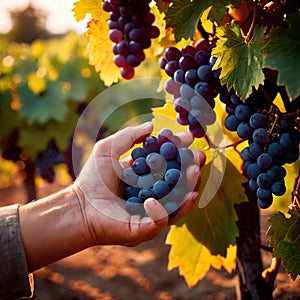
(248, 36)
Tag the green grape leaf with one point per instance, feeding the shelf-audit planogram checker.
(34, 139)
(214, 225)
(41, 108)
(285, 238)
(240, 62)
(282, 54)
(183, 16)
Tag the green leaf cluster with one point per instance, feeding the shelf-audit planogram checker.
(285, 239)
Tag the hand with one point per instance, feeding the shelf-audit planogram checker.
(98, 188)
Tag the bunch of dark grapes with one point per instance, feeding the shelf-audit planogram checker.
(273, 142)
(46, 161)
(157, 172)
(193, 85)
(131, 30)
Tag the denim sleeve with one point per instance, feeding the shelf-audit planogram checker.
(15, 282)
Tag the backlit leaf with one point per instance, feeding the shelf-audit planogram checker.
(241, 62)
(84, 7)
(36, 83)
(192, 258)
(100, 52)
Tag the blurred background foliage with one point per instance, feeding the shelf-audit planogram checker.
(46, 82)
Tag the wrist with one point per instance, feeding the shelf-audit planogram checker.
(52, 228)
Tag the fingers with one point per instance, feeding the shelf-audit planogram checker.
(185, 207)
(123, 140)
(186, 139)
(156, 212)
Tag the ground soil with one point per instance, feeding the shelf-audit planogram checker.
(139, 273)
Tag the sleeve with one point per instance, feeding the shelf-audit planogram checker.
(15, 282)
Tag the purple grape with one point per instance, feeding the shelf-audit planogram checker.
(204, 73)
(140, 166)
(146, 180)
(129, 176)
(202, 88)
(179, 76)
(115, 35)
(160, 189)
(172, 176)
(168, 150)
(145, 193)
(155, 161)
(172, 53)
(231, 122)
(138, 152)
(191, 77)
(182, 105)
(187, 62)
(264, 160)
(260, 136)
(151, 144)
(132, 60)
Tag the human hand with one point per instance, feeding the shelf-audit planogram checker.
(98, 188)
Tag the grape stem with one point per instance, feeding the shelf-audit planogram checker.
(213, 146)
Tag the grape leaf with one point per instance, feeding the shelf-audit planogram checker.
(241, 62)
(83, 7)
(285, 238)
(34, 139)
(100, 52)
(183, 16)
(214, 225)
(282, 52)
(40, 108)
(192, 258)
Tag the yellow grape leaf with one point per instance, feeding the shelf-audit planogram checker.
(84, 7)
(192, 258)
(100, 51)
(36, 83)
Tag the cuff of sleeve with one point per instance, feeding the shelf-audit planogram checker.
(15, 282)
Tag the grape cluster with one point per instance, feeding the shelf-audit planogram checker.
(193, 84)
(46, 161)
(273, 141)
(131, 30)
(157, 172)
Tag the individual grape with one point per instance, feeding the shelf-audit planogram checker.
(130, 191)
(138, 152)
(254, 170)
(197, 131)
(191, 77)
(172, 176)
(129, 176)
(257, 120)
(231, 122)
(185, 156)
(260, 136)
(146, 180)
(151, 144)
(195, 116)
(276, 172)
(168, 150)
(187, 62)
(264, 180)
(140, 166)
(253, 185)
(264, 160)
(173, 164)
(127, 72)
(182, 118)
(264, 203)
(134, 207)
(246, 155)
(160, 189)
(155, 161)
(275, 149)
(198, 101)
(179, 76)
(288, 141)
(135, 48)
(255, 150)
(205, 73)
(188, 49)
(172, 53)
(133, 60)
(201, 57)
(202, 88)
(120, 61)
(182, 105)
(171, 67)
(264, 194)
(115, 35)
(278, 188)
(145, 193)
(242, 112)
(186, 91)
(244, 130)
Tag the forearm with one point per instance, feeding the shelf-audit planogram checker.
(52, 228)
